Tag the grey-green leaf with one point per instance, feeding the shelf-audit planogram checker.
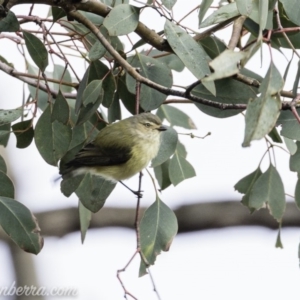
(268, 189)
(175, 117)
(92, 92)
(122, 20)
(9, 115)
(222, 14)
(262, 112)
(93, 191)
(204, 6)
(6, 186)
(85, 217)
(20, 224)
(52, 139)
(167, 147)
(10, 23)
(295, 159)
(24, 133)
(180, 169)
(61, 109)
(168, 3)
(3, 167)
(158, 227)
(162, 174)
(190, 52)
(292, 10)
(154, 70)
(36, 50)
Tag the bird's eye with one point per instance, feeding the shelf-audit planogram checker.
(147, 124)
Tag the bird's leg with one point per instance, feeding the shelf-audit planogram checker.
(137, 193)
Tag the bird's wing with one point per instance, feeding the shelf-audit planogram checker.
(91, 155)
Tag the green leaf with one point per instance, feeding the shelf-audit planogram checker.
(6, 186)
(292, 10)
(122, 19)
(225, 65)
(180, 169)
(244, 7)
(9, 115)
(128, 99)
(93, 191)
(92, 92)
(4, 134)
(162, 174)
(10, 23)
(278, 243)
(190, 52)
(85, 217)
(114, 111)
(204, 6)
(61, 110)
(86, 112)
(226, 93)
(275, 136)
(167, 147)
(263, 15)
(52, 139)
(175, 117)
(297, 193)
(155, 71)
(57, 13)
(24, 133)
(290, 126)
(245, 186)
(97, 70)
(168, 3)
(295, 160)
(262, 113)
(158, 227)
(290, 144)
(20, 225)
(224, 13)
(212, 46)
(69, 184)
(171, 60)
(36, 50)
(97, 51)
(268, 189)
(3, 167)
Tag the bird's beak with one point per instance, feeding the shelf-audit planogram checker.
(162, 128)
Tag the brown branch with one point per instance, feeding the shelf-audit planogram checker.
(200, 216)
(25, 78)
(236, 32)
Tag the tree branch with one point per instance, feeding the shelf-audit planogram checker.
(200, 216)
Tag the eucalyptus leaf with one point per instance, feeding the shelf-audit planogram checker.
(6, 186)
(85, 217)
(92, 92)
(262, 112)
(9, 115)
(158, 228)
(122, 19)
(169, 3)
(167, 147)
(222, 14)
(190, 52)
(36, 50)
(175, 117)
(162, 174)
(268, 189)
(20, 225)
(24, 133)
(204, 6)
(10, 23)
(180, 169)
(155, 71)
(3, 167)
(93, 191)
(52, 139)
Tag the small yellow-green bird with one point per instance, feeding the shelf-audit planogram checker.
(120, 150)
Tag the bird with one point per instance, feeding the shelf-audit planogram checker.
(120, 150)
